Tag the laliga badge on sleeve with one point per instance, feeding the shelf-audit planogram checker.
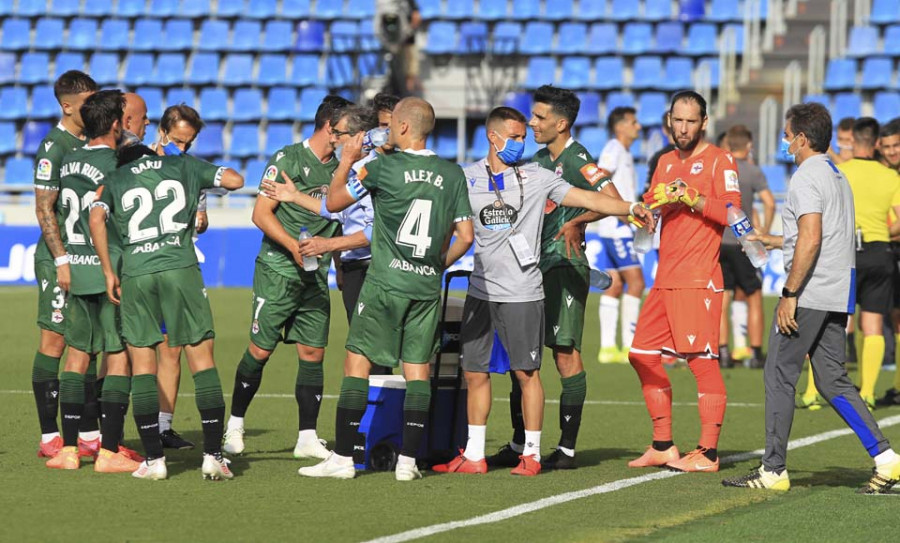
(523, 253)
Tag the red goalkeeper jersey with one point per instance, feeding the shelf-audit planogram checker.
(690, 240)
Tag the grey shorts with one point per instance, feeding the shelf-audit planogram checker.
(520, 326)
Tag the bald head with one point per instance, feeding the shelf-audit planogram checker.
(134, 118)
(417, 114)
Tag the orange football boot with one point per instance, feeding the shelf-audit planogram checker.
(66, 458)
(652, 458)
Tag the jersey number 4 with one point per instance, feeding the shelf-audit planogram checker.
(142, 197)
(413, 230)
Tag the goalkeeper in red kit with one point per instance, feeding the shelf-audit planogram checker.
(691, 187)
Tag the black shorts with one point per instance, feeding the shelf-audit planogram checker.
(875, 268)
(737, 271)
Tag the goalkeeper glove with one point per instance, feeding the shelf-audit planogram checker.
(674, 192)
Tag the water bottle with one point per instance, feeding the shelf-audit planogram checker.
(643, 238)
(742, 228)
(375, 138)
(310, 263)
(600, 279)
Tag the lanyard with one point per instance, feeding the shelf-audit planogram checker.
(496, 189)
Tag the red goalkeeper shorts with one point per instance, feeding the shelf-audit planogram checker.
(680, 320)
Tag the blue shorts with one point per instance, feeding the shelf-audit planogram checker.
(617, 254)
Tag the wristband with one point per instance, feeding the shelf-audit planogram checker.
(61, 260)
(631, 208)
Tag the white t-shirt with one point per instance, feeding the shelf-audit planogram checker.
(616, 159)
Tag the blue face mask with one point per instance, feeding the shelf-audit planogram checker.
(170, 149)
(783, 152)
(512, 151)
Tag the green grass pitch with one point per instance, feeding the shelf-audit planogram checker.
(268, 501)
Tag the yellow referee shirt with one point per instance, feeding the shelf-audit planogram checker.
(876, 190)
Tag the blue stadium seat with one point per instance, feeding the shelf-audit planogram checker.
(272, 70)
(33, 68)
(591, 10)
(647, 72)
(114, 34)
(8, 68)
(32, 134)
(305, 70)
(846, 104)
(180, 96)
(609, 72)
(367, 39)
(576, 73)
(884, 12)
(16, 35)
(713, 64)
(19, 171)
(31, 8)
(593, 138)
(460, 9)
(254, 172)
(65, 8)
(7, 8)
(204, 69)
(339, 71)
(245, 36)
(170, 69)
(637, 39)
(131, 9)
(589, 110)
(310, 36)
(147, 33)
(506, 38)
(194, 9)
(823, 99)
(138, 69)
(541, 71)
(48, 34)
(473, 37)
(658, 10)
(277, 36)
(344, 36)
(651, 105)
(329, 10)
(66, 62)
(618, 99)
(445, 141)
(775, 177)
(82, 35)
(863, 41)
(150, 134)
(13, 103)
(162, 8)
(213, 35)
(244, 140)
(722, 11)
(104, 68)
(572, 39)
(209, 141)
(840, 74)
(178, 35)
(877, 73)
(229, 8)
(537, 39)
(479, 147)
(624, 10)
(213, 104)
(153, 97)
(264, 9)
(8, 139)
(738, 35)
(692, 10)
(891, 43)
(369, 64)
(885, 106)
(602, 39)
(531, 146)
(701, 40)
(637, 149)
(97, 8)
(678, 74)
(559, 10)
(520, 101)
(310, 98)
(526, 9)
(277, 136)
(360, 9)
(43, 103)
(441, 38)
(238, 70)
(669, 37)
(490, 10)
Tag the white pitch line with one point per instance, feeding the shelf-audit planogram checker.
(613, 486)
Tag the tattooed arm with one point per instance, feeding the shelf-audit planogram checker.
(45, 209)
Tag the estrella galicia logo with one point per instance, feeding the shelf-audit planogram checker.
(498, 216)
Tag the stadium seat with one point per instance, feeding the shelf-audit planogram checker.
(445, 141)
(885, 106)
(669, 37)
(339, 71)
(526, 9)
(147, 34)
(531, 146)
(520, 101)
(230, 8)
(576, 73)
(82, 35)
(8, 139)
(48, 34)
(178, 35)
(32, 68)
(213, 36)
(609, 72)
(490, 10)
(693, 10)
(204, 69)
(344, 36)
(602, 39)
(591, 10)
(13, 103)
(263, 9)
(460, 9)
(884, 12)
(823, 99)
(310, 98)
(31, 8)
(97, 8)
(282, 104)
(245, 36)
(637, 149)
(104, 68)
(180, 96)
(369, 64)
(114, 35)
(32, 134)
(646, 73)
(650, 107)
(138, 69)
(738, 36)
(162, 8)
(244, 140)
(618, 99)
(701, 40)
(305, 70)
(473, 36)
(238, 70)
(8, 68)
(775, 177)
(479, 147)
(657, 10)
(541, 71)
(16, 35)
(441, 38)
(213, 104)
(43, 103)
(66, 62)
(7, 8)
(677, 74)
(713, 64)
(310, 36)
(254, 172)
(637, 39)
(153, 97)
(624, 10)
(150, 134)
(863, 41)
(846, 104)
(589, 110)
(559, 10)
(19, 171)
(721, 11)
(272, 70)
(572, 39)
(131, 9)
(538, 38)
(877, 73)
(277, 136)
(891, 45)
(506, 37)
(593, 138)
(170, 69)
(194, 9)
(367, 39)
(209, 141)
(840, 74)
(360, 9)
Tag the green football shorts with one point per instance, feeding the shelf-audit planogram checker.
(92, 324)
(386, 328)
(565, 294)
(51, 298)
(299, 308)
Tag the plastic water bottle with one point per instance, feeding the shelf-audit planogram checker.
(742, 228)
(600, 279)
(643, 238)
(310, 263)
(375, 138)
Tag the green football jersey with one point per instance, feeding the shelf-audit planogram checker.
(47, 161)
(153, 203)
(576, 166)
(81, 174)
(311, 176)
(418, 198)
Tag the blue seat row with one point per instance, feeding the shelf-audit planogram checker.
(649, 72)
(585, 10)
(885, 105)
(867, 41)
(843, 74)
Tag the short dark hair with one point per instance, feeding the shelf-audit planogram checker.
(617, 115)
(563, 102)
(890, 128)
(181, 112)
(330, 104)
(359, 118)
(720, 139)
(130, 153)
(384, 102)
(865, 131)
(73, 82)
(503, 113)
(813, 120)
(846, 124)
(689, 96)
(738, 136)
(100, 110)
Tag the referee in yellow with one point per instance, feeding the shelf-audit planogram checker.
(876, 190)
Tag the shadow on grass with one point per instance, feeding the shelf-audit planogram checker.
(593, 457)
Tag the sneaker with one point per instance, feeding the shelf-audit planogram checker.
(559, 460)
(130, 453)
(50, 448)
(312, 449)
(234, 441)
(506, 457)
(461, 464)
(725, 362)
(869, 401)
(610, 355)
(66, 458)
(891, 397)
(407, 472)
(653, 458)
(813, 403)
(695, 460)
(154, 470)
(742, 353)
(171, 439)
(331, 467)
(88, 449)
(215, 467)
(114, 462)
(528, 466)
(883, 479)
(760, 478)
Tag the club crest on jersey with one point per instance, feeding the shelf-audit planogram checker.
(44, 169)
(255, 326)
(57, 316)
(271, 173)
(559, 170)
(696, 167)
(731, 181)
